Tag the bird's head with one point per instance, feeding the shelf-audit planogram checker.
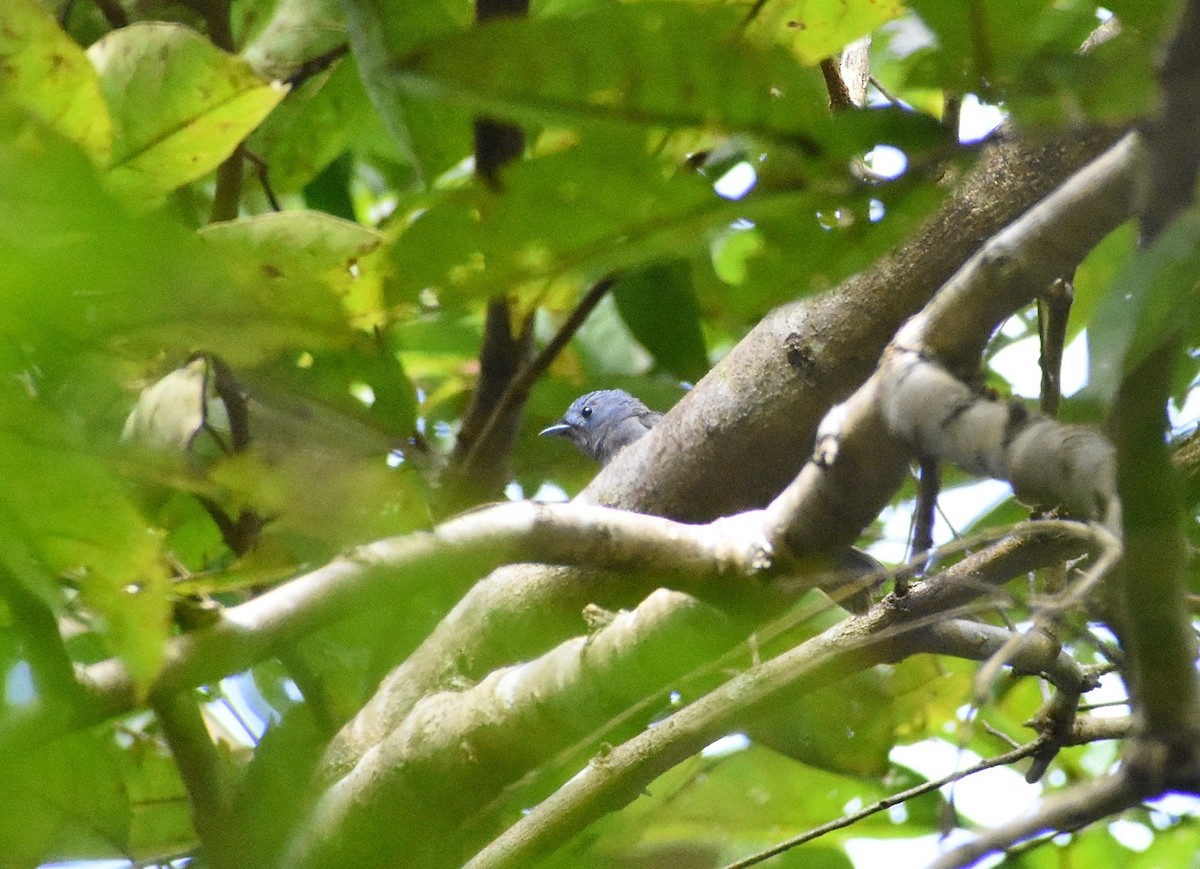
(602, 422)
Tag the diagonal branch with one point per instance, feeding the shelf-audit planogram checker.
(898, 628)
(1071, 810)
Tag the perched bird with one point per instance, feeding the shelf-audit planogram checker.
(601, 423)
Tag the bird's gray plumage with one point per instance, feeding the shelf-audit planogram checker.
(602, 423)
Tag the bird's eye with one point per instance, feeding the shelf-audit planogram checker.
(586, 412)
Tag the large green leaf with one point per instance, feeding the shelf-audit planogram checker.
(1027, 55)
(64, 801)
(647, 64)
(321, 120)
(43, 70)
(181, 105)
(292, 247)
(659, 305)
(432, 138)
(1154, 299)
(84, 275)
(65, 513)
(726, 807)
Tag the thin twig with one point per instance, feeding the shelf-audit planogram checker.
(1054, 307)
(1013, 756)
(316, 65)
(262, 172)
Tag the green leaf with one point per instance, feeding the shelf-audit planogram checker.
(327, 116)
(150, 284)
(181, 105)
(727, 807)
(815, 29)
(659, 306)
(64, 801)
(44, 71)
(383, 30)
(292, 247)
(658, 65)
(64, 512)
(296, 31)
(1153, 300)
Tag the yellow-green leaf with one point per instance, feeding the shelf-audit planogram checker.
(815, 29)
(45, 72)
(301, 245)
(181, 105)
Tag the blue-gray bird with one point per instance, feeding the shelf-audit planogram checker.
(601, 423)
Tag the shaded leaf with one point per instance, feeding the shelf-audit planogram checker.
(383, 30)
(64, 801)
(64, 512)
(659, 305)
(1154, 299)
(646, 64)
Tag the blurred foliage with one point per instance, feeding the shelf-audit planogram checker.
(350, 324)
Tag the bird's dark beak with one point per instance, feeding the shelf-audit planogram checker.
(559, 429)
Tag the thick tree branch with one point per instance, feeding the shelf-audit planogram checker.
(762, 402)
(458, 749)
(896, 629)
(1043, 245)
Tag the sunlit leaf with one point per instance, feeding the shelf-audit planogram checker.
(180, 104)
(43, 70)
(815, 29)
(294, 246)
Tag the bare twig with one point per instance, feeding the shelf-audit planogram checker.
(1072, 810)
(929, 486)
(839, 96)
(1054, 307)
(316, 65)
(1019, 753)
(262, 172)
